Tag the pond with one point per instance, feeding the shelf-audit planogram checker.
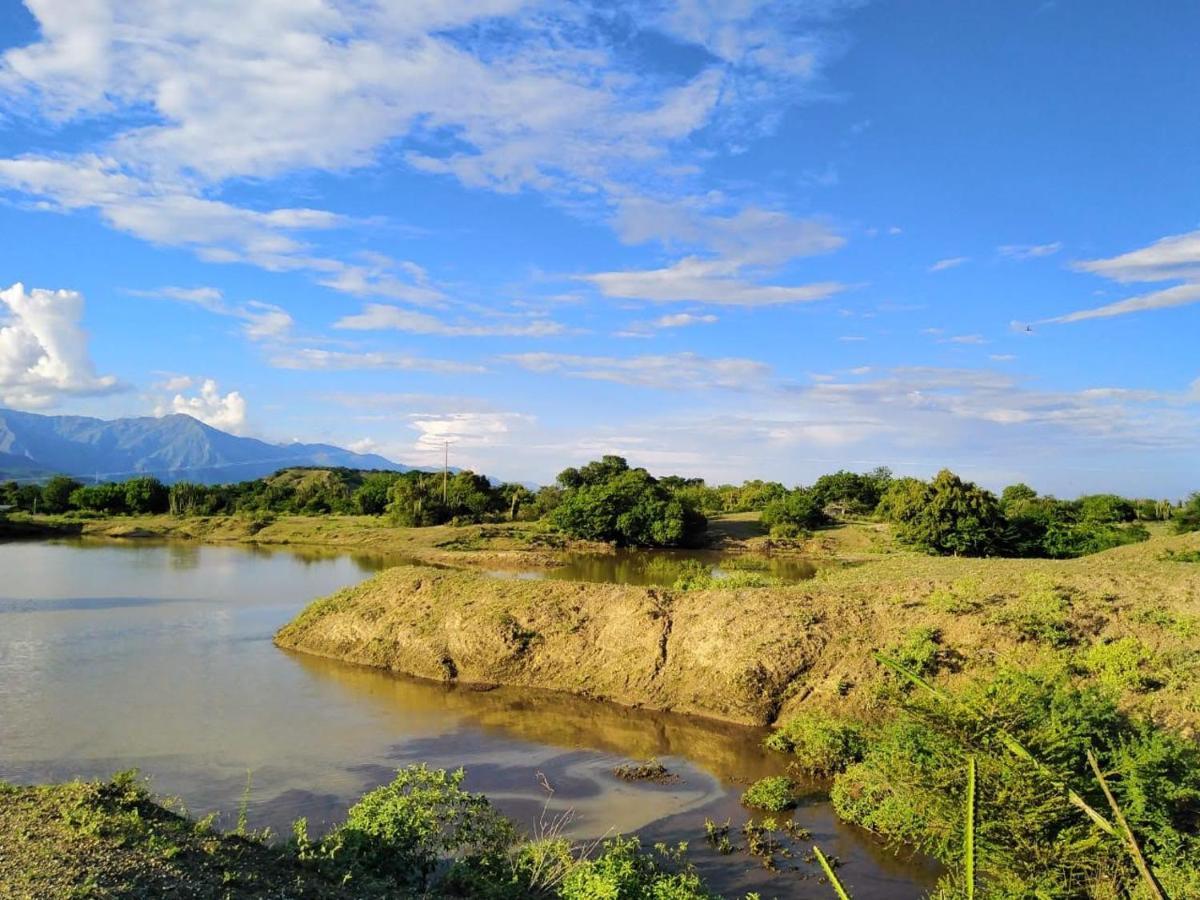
(660, 568)
(119, 655)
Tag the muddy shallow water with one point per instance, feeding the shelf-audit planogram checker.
(116, 655)
(660, 568)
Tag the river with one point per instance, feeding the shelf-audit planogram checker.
(158, 656)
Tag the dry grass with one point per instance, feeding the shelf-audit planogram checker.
(755, 654)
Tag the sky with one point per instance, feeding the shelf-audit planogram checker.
(723, 238)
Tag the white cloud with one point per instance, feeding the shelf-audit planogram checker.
(378, 316)
(196, 95)
(260, 321)
(224, 411)
(44, 349)
(1180, 295)
(1175, 258)
(951, 263)
(678, 371)
(740, 249)
(705, 281)
(311, 358)
(965, 339)
(1029, 251)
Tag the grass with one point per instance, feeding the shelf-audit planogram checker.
(773, 794)
(419, 836)
(820, 743)
(111, 840)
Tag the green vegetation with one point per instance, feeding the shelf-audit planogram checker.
(1188, 517)
(608, 501)
(949, 516)
(421, 835)
(1030, 734)
(821, 743)
(774, 794)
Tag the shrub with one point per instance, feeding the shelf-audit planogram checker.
(800, 509)
(910, 787)
(1187, 518)
(822, 744)
(1123, 664)
(921, 651)
(946, 516)
(608, 501)
(398, 833)
(1040, 615)
(774, 794)
(623, 871)
(697, 576)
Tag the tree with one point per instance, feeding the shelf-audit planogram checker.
(371, 497)
(802, 508)
(1106, 508)
(947, 516)
(412, 502)
(1188, 516)
(849, 493)
(56, 494)
(1015, 496)
(106, 497)
(608, 501)
(146, 494)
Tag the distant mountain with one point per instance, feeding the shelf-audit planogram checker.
(173, 448)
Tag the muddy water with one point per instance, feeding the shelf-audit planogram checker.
(160, 657)
(661, 567)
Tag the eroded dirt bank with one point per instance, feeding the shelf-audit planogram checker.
(752, 655)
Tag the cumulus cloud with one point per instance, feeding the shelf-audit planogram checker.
(224, 411)
(44, 350)
(501, 94)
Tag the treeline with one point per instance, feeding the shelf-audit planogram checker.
(947, 515)
(608, 500)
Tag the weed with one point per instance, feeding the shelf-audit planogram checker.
(821, 743)
(774, 794)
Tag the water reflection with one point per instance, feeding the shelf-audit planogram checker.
(159, 656)
(661, 568)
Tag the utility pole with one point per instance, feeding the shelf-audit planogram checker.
(445, 469)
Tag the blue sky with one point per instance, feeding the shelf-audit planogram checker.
(731, 239)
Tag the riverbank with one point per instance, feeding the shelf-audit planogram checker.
(98, 840)
(513, 546)
(1128, 619)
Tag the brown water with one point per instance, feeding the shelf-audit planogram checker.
(160, 657)
(661, 567)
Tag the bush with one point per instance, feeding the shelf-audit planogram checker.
(774, 794)
(910, 787)
(608, 501)
(697, 576)
(1188, 516)
(800, 509)
(398, 833)
(946, 516)
(1120, 665)
(822, 744)
(1041, 615)
(623, 871)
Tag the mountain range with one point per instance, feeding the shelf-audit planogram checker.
(173, 448)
